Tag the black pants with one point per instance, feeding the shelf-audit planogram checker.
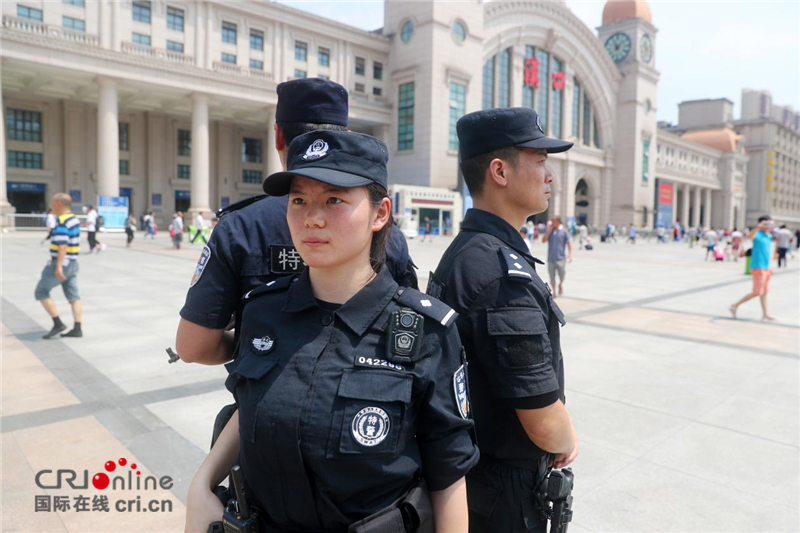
(782, 256)
(502, 498)
(92, 240)
(129, 232)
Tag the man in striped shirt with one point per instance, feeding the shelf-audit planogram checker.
(62, 269)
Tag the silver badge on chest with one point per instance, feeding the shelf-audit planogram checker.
(371, 426)
(263, 344)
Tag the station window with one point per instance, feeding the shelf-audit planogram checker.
(73, 23)
(229, 32)
(184, 142)
(300, 51)
(252, 176)
(377, 70)
(79, 3)
(29, 13)
(184, 172)
(123, 137)
(300, 73)
(361, 66)
(256, 64)
(256, 40)
(24, 125)
(175, 46)
(251, 150)
(359, 87)
(124, 167)
(324, 57)
(458, 92)
(141, 11)
(140, 38)
(228, 58)
(405, 117)
(175, 19)
(24, 159)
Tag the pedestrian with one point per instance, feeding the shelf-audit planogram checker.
(784, 242)
(427, 230)
(176, 230)
(797, 238)
(736, 243)
(62, 269)
(351, 391)
(559, 253)
(147, 220)
(761, 236)
(711, 238)
(508, 320)
(130, 228)
(200, 226)
(692, 236)
(631, 234)
(523, 232)
(661, 233)
(251, 245)
(93, 223)
(583, 234)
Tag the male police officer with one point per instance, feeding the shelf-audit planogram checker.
(508, 321)
(251, 244)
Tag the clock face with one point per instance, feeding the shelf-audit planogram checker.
(618, 46)
(646, 47)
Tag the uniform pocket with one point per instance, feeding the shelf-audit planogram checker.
(520, 334)
(373, 405)
(245, 381)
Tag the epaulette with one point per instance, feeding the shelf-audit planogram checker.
(275, 285)
(238, 205)
(517, 268)
(426, 305)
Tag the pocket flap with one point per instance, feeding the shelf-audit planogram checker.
(515, 321)
(250, 366)
(376, 385)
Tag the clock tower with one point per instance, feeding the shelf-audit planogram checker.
(629, 38)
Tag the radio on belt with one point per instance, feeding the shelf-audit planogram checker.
(405, 328)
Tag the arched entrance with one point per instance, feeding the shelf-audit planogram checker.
(582, 203)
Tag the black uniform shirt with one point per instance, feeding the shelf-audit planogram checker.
(332, 427)
(250, 246)
(509, 325)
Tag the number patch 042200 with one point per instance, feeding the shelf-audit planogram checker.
(372, 362)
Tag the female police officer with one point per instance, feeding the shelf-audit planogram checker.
(351, 391)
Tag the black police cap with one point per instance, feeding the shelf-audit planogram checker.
(339, 158)
(491, 129)
(312, 100)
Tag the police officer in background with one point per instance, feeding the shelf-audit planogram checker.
(351, 390)
(251, 244)
(508, 320)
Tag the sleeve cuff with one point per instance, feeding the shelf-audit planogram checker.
(535, 402)
(446, 466)
(205, 321)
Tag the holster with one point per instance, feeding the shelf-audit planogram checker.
(411, 513)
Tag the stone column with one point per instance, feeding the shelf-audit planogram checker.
(273, 157)
(199, 52)
(674, 204)
(696, 207)
(685, 206)
(5, 207)
(116, 26)
(707, 214)
(107, 138)
(200, 155)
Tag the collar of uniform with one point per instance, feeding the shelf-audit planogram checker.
(358, 312)
(486, 222)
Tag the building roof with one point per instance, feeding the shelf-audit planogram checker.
(724, 139)
(617, 10)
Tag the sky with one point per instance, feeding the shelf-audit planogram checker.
(703, 48)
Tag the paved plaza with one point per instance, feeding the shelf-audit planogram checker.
(687, 420)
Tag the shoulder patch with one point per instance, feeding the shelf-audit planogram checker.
(275, 285)
(239, 205)
(426, 305)
(205, 256)
(517, 268)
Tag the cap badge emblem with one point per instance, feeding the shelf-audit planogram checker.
(538, 124)
(317, 150)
